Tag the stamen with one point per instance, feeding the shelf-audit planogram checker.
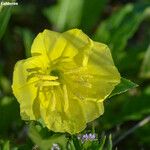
(75, 70)
(50, 83)
(41, 77)
(32, 75)
(47, 83)
(33, 69)
(47, 77)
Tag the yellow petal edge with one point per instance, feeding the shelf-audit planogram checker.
(65, 81)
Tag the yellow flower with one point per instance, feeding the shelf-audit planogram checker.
(65, 81)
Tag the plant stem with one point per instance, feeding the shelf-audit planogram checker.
(138, 125)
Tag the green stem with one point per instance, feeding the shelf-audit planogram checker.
(130, 131)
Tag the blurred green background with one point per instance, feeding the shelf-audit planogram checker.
(124, 25)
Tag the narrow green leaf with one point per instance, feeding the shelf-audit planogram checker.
(27, 40)
(112, 23)
(91, 13)
(9, 113)
(71, 145)
(77, 143)
(102, 142)
(1, 7)
(34, 135)
(64, 14)
(75, 13)
(109, 146)
(145, 69)
(87, 144)
(123, 86)
(4, 19)
(6, 145)
(121, 26)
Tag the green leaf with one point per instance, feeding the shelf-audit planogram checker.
(64, 14)
(67, 14)
(6, 145)
(145, 69)
(77, 143)
(130, 107)
(5, 84)
(122, 87)
(121, 26)
(9, 114)
(87, 144)
(46, 144)
(35, 136)
(142, 135)
(27, 40)
(91, 13)
(71, 145)
(102, 142)
(5, 14)
(109, 146)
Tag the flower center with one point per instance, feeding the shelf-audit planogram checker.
(43, 80)
(55, 73)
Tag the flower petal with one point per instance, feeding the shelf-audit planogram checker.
(80, 41)
(50, 106)
(92, 109)
(71, 121)
(44, 42)
(98, 75)
(24, 90)
(52, 44)
(101, 67)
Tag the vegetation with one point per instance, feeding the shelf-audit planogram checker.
(125, 27)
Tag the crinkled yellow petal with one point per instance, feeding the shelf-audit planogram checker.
(80, 41)
(97, 77)
(52, 44)
(71, 121)
(59, 118)
(24, 89)
(43, 43)
(77, 38)
(98, 63)
(101, 67)
(92, 109)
